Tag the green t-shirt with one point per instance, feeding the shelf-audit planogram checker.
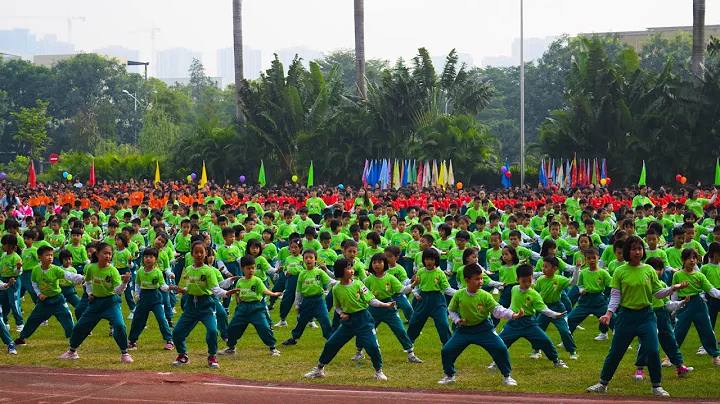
(712, 273)
(594, 281)
(199, 281)
(432, 281)
(261, 267)
(314, 244)
(315, 205)
(659, 254)
(48, 281)
(494, 260)
(660, 303)
(399, 272)
(285, 230)
(359, 269)
(30, 258)
(8, 265)
(64, 283)
(698, 283)
(369, 252)
(445, 246)
(455, 258)
(294, 264)
(550, 289)
(311, 281)
(530, 301)
(103, 280)
(413, 247)
(352, 298)
(383, 288)
(508, 274)
(301, 225)
(251, 290)
(674, 256)
(122, 259)
(228, 253)
(79, 254)
(150, 280)
(636, 284)
(475, 308)
(696, 205)
(336, 241)
(182, 243)
(270, 252)
(326, 257)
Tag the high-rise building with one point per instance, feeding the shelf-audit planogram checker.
(50, 45)
(21, 42)
(175, 62)
(252, 63)
(439, 62)
(122, 53)
(534, 49)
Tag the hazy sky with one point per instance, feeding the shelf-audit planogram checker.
(393, 28)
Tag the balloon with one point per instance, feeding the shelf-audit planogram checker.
(608, 180)
(508, 174)
(294, 178)
(603, 181)
(678, 178)
(189, 178)
(69, 177)
(193, 176)
(242, 178)
(65, 174)
(683, 180)
(341, 186)
(2, 176)
(503, 169)
(459, 185)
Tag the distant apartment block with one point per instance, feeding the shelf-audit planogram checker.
(252, 63)
(175, 62)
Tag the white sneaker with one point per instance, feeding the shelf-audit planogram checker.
(131, 315)
(560, 345)
(659, 391)
(281, 323)
(20, 328)
(44, 323)
(492, 366)
(379, 375)
(70, 355)
(509, 381)
(227, 351)
(666, 363)
(312, 325)
(447, 380)
(315, 373)
(560, 364)
(597, 388)
(602, 337)
(536, 355)
(359, 355)
(414, 359)
(581, 328)
(701, 351)
(274, 352)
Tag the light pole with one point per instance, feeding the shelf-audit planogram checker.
(522, 98)
(136, 104)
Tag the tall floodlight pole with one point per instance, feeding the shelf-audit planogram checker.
(522, 98)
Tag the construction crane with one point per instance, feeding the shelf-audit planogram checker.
(153, 34)
(69, 21)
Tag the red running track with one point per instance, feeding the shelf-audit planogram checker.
(85, 386)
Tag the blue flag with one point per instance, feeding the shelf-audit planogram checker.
(505, 180)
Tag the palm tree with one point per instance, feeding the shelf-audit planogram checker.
(238, 56)
(360, 48)
(698, 49)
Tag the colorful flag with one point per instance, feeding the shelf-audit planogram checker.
(574, 175)
(203, 177)
(311, 175)
(366, 169)
(595, 179)
(503, 177)
(261, 174)
(568, 174)
(157, 172)
(451, 175)
(427, 175)
(559, 180)
(543, 174)
(92, 181)
(603, 169)
(643, 174)
(434, 180)
(442, 176)
(717, 172)
(396, 175)
(419, 177)
(552, 173)
(32, 179)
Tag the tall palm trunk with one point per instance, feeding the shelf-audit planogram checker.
(238, 56)
(360, 48)
(698, 49)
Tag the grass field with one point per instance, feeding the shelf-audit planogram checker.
(253, 361)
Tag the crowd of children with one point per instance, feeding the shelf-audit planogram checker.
(647, 266)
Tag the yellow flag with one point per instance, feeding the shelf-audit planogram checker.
(203, 177)
(443, 173)
(157, 171)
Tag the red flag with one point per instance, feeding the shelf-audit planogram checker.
(581, 173)
(574, 178)
(32, 180)
(92, 174)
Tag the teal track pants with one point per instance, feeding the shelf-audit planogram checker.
(288, 298)
(151, 301)
(391, 317)
(403, 305)
(560, 323)
(312, 307)
(666, 337)
(247, 313)
(431, 305)
(107, 308)
(696, 312)
(43, 310)
(630, 324)
(590, 303)
(481, 334)
(197, 309)
(528, 328)
(71, 296)
(9, 301)
(361, 326)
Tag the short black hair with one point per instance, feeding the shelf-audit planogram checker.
(471, 270)
(524, 271)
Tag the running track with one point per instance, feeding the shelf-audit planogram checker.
(85, 386)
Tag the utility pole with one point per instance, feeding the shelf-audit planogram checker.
(522, 97)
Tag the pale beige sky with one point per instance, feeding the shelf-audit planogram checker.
(393, 27)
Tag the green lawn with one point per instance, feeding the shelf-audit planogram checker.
(253, 361)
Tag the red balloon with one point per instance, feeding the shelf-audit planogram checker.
(508, 174)
(608, 180)
(678, 178)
